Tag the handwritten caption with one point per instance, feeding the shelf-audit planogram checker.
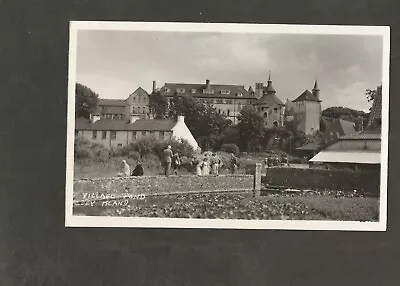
(109, 200)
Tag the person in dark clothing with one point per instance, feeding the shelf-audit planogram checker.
(234, 163)
(138, 171)
(167, 153)
(176, 162)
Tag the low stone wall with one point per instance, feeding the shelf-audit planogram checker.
(319, 179)
(110, 188)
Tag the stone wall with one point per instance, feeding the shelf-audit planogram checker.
(109, 188)
(319, 179)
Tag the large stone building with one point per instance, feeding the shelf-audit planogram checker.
(227, 99)
(114, 133)
(136, 104)
(269, 105)
(305, 111)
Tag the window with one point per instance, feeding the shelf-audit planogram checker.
(134, 98)
(225, 91)
(275, 124)
(143, 133)
(240, 94)
(265, 114)
(161, 134)
(276, 109)
(219, 111)
(219, 100)
(104, 135)
(228, 112)
(208, 91)
(94, 134)
(133, 109)
(270, 111)
(134, 134)
(119, 145)
(113, 135)
(193, 90)
(180, 90)
(166, 89)
(76, 132)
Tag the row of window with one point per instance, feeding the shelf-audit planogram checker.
(205, 91)
(113, 134)
(113, 116)
(141, 98)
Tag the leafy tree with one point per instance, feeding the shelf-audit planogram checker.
(370, 93)
(158, 105)
(85, 101)
(205, 123)
(251, 126)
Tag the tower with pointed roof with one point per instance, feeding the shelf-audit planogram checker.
(306, 111)
(270, 106)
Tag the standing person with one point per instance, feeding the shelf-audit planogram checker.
(216, 163)
(176, 162)
(167, 160)
(205, 168)
(126, 170)
(197, 164)
(234, 163)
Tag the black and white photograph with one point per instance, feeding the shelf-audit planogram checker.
(246, 126)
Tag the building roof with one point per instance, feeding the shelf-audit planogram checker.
(336, 127)
(313, 146)
(234, 90)
(306, 96)
(124, 125)
(111, 102)
(138, 89)
(361, 136)
(376, 110)
(355, 157)
(269, 100)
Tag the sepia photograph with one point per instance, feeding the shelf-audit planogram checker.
(246, 126)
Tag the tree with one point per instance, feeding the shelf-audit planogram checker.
(251, 126)
(370, 93)
(85, 101)
(158, 105)
(205, 123)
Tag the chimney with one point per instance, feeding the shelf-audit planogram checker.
(259, 89)
(133, 118)
(95, 117)
(181, 118)
(154, 86)
(207, 84)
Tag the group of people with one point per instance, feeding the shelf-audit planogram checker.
(211, 165)
(204, 164)
(138, 171)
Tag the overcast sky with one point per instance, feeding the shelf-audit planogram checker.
(116, 63)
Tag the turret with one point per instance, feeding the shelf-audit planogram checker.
(315, 90)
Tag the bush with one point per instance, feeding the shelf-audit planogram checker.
(230, 148)
(133, 155)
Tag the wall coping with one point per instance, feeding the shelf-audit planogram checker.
(162, 176)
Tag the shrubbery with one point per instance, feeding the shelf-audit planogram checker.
(140, 149)
(150, 145)
(230, 148)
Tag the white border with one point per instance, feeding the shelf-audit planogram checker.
(88, 221)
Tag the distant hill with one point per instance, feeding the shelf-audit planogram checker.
(346, 114)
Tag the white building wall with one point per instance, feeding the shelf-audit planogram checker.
(312, 117)
(181, 131)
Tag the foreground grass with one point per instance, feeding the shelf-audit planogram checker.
(309, 206)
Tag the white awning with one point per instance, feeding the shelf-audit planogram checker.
(355, 157)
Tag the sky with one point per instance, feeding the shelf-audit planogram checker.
(115, 63)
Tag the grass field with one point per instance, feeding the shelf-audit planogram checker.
(304, 206)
